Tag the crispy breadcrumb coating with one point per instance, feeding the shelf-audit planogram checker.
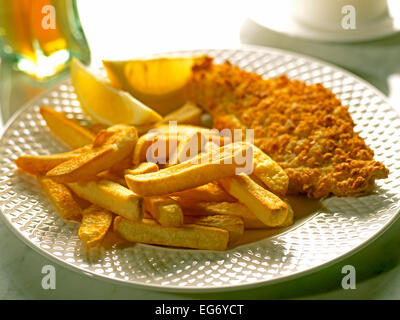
(305, 128)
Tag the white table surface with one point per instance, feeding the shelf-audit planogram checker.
(377, 266)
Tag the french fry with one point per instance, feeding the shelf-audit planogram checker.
(147, 215)
(220, 141)
(290, 217)
(191, 145)
(167, 138)
(222, 208)
(143, 143)
(233, 224)
(144, 128)
(193, 204)
(264, 169)
(211, 147)
(119, 167)
(113, 240)
(189, 174)
(188, 147)
(210, 192)
(144, 167)
(189, 113)
(108, 175)
(95, 223)
(83, 167)
(151, 139)
(265, 205)
(183, 130)
(41, 164)
(109, 147)
(229, 208)
(180, 132)
(114, 135)
(82, 203)
(165, 210)
(62, 199)
(269, 172)
(186, 236)
(111, 196)
(69, 131)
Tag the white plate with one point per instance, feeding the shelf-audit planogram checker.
(343, 226)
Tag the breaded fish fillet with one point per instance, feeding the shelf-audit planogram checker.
(305, 128)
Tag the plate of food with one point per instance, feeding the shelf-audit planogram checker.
(202, 170)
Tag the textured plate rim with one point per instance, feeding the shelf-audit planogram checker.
(222, 288)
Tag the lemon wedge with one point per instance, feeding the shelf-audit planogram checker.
(158, 82)
(105, 104)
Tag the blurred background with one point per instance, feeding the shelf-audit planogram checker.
(120, 29)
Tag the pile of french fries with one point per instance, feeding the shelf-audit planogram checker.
(108, 184)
